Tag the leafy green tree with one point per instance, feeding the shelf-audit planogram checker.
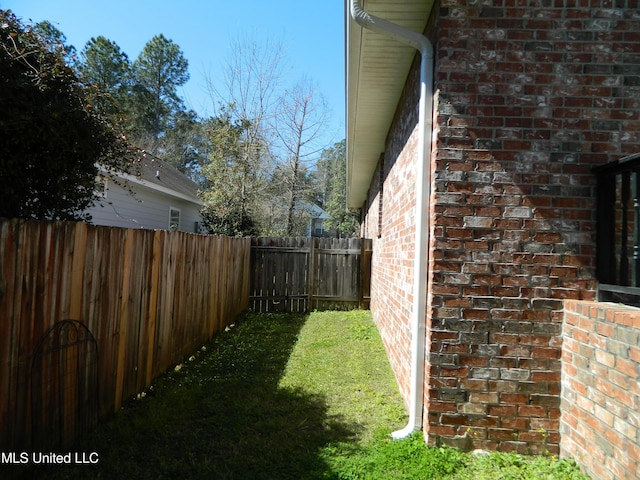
(287, 181)
(51, 141)
(185, 145)
(158, 72)
(341, 219)
(56, 41)
(231, 182)
(106, 68)
(243, 136)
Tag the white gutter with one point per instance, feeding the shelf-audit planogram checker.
(423, 183)
(152, 186)
(159, 188)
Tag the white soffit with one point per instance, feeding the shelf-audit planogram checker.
(377, 67)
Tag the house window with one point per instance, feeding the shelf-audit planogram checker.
(618, 230)
(174, 218)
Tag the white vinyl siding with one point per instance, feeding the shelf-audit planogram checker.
(148, 209)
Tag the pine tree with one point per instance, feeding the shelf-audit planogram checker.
(106, 69)
(158, 72)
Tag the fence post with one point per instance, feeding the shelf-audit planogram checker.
(158, 243)
(77, 270)
(313, 288)
(121, 345)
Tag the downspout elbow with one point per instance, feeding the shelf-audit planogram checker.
(380, 25)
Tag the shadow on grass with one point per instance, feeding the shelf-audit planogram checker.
(222, 416)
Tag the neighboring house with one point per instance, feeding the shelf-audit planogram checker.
(483, 218)
(316, 217)
(308, 219)
(160, 197)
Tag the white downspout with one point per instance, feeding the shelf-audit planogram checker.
(423, 183)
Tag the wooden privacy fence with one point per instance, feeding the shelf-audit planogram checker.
(302, 274)
(149, 298)
(64, 386)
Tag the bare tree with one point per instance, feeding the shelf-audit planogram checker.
(300, 121)
(247, 99)
(253, 77)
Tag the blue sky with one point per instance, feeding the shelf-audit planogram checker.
(311, 31)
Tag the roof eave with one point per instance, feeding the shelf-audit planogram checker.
(154, 186)
(377, 67)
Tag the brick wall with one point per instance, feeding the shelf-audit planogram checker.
(530, 96)
(601, 390)
(390, 222)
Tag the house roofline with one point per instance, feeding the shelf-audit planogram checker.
(154, 186)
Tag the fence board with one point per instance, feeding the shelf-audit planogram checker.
(148, 297)
(300, 274)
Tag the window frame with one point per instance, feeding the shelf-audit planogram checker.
(618, 230)
(174, 226)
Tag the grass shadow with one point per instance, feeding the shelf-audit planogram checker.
(220, 415)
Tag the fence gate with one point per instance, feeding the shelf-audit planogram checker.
(302, 274)
(64, 386)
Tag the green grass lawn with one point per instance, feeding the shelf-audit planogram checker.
(283, 397)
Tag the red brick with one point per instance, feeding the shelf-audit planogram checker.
(545, 377)
(453, 420)
(481, 423)
(501, 434)
(473, 384)
(473, 361)
(514, 423)
(627, 368)
(532, 411)
(515, 351)
(553, 353)
(514, 398)
(437, 429)
(634, 354)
